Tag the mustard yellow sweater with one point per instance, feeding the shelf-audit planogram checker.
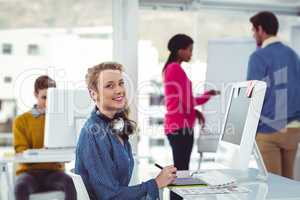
(28, 131)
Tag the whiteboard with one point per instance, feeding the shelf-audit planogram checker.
(295, 38)
(227, 62)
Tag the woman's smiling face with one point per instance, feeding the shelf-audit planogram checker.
(111, 95)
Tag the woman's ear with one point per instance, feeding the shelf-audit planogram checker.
(93, 95)
(179, 53)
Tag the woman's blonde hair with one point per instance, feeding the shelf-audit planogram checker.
(91, 79)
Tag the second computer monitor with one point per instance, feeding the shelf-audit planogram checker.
(240, 124)
(66, 112)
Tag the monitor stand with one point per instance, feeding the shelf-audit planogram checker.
(263, 172)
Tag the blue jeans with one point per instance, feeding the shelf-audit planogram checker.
(44, 180)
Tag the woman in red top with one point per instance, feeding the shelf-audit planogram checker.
(179, 101)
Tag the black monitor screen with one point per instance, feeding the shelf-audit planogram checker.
(236, 117)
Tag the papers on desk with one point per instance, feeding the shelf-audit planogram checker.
(193, 191)
(205, 183)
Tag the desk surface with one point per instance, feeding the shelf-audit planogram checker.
(275, 188)
(37, 158)
(19, 158)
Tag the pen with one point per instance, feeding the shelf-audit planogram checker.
(157, 165)
(160, 167)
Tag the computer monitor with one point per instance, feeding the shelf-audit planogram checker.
(66, 113)
(240, 124)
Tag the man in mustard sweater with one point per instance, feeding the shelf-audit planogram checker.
(28, 130)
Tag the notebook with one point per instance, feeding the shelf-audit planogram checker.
(188, 181)
(214, 178)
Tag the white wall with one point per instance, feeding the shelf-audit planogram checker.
(227, 62)
(64, 55)
(295, 38)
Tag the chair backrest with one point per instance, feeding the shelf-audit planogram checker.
(207, 142)
(297, 165)
(82, 193)
(51, 195)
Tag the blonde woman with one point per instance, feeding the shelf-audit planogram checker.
(103, 156)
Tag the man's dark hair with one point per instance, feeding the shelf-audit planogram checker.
(267, 20)
(43, 82)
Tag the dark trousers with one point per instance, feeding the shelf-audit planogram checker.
(181, 143)
(44, 180)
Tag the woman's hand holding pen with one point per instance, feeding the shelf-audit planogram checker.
(166, 176)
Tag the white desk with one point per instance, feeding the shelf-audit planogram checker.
(275, 188)
(4, 161)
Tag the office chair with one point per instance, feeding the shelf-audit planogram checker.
(82, 193)
(53, 195)
(297, 165)
(207, 143)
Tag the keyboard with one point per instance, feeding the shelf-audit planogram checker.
(214, 178)
(49, 152)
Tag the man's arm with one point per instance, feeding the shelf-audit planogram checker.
(20, 141)
(257, 68)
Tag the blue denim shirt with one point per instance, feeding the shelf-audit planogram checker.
(279, 66)
(106, 165)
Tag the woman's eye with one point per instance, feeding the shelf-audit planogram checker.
(121, 83)
(109, 86)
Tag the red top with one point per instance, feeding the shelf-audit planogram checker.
(179, 99)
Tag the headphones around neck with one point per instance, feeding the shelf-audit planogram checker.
(117, 124)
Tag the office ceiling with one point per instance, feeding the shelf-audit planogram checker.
(287, 7)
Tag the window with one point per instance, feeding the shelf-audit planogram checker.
(156, 121)
(156, 99)
(8, 113)
(7, 49)
(33, 49)
(7, 79)
(156, 142)
(97, 36)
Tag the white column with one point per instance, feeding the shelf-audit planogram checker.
(295, 41)
(196, 36)
(295, 38)
(125, 46)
